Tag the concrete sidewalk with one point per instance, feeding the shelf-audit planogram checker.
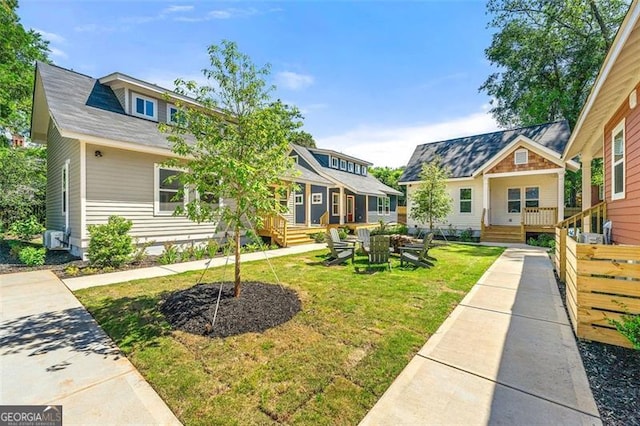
(52, 352)
(159, 271)
(506, 355)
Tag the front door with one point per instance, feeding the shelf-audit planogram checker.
(351, 204)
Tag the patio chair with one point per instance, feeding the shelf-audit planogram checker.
(335, 238)
(339, 253)
(425, 241)
(379, 251)
(417, 256)
(364, 237)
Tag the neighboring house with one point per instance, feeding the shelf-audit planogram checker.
(503, 184)
(602, 280)
(105, 156)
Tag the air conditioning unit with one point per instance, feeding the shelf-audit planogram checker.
(54, 240)
(592, 238)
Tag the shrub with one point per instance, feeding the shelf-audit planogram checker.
(391, 230)
(466, 235)
(15, 247)
(543, 240)
(212, 248)
(199, 252)
(342, 233)
(629, 327)
(110, 244)
(72, 270)
(141, 252)
(171, 254)
(32, 256)
(319, 237)
(26, 229)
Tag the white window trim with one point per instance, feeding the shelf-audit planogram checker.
(316, 198)
(298, 199)
(335, 202)
(460, 200)
(526, 156)
(350, 166)
(343, 164)
(169, 107)
(384, 206)
(357, 169)
(520, 199)
(135, 96)
(620, 195)
(64, 195)
(334, 162)
(364, 170)
(156, 190)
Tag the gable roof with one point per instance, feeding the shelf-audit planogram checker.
(368, 184)
(464, 156)
(81, 105)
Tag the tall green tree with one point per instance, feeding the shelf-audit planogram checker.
(302, 138)
(19, 49)
(548, 54)
(431, 201)
(389, 176)
(235, 144)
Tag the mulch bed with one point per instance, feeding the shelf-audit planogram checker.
(260, 307)
(614, 377)
(55, 260)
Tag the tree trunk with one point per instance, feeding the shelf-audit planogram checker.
(603, 27)
(236, 288)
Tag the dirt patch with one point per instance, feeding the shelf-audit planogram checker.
(260, 307)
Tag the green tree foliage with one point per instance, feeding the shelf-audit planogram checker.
(549, 54)
(19, 49)
(389, 176)
(236, 145)
(431, 201)
(23, 179)
(302, 138)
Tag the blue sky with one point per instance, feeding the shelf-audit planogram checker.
(373, 79)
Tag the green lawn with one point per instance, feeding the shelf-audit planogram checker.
(328, 365)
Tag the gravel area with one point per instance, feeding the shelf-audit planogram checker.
(614, 377)
(260, 307)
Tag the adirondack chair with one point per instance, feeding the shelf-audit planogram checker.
(416, 256)
(335, 237)
(379, 251)
(364, 236)
(339, 253)
(425, 241)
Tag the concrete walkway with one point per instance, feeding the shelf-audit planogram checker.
(52, 352)
(177, 268)
(506, 355)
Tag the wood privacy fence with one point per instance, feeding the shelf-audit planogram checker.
(402, 214)
(602, 282)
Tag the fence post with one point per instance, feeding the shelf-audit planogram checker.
(562, 273)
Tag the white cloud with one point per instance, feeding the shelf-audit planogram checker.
(94, 28)
(293, 81)
(393, 146)
(178, 9)
(58, 53)
(52, 37)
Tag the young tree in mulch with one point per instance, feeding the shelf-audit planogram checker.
(233, 145)
(431, 201)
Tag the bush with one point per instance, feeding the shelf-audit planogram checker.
(212, 247)
(629, 327)
(32, 256)
(342, 233)
(386, 229)
(140, 253)
(72, 270)
(171, 254)
(26, 229)
(466, 235)
(110, 244)
(543, 240)
(319, 237)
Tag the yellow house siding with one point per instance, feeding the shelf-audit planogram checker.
(548, 194)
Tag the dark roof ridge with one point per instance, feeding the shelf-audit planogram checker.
(515, 129)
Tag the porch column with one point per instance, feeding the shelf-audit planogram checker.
(366, 209)
(586, 189)
(560, 195)
(341, 205)
(307, 204)
(485, 198)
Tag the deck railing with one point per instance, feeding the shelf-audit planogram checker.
(277, 226)
(590, 220)
(324, 219)
(539, 216)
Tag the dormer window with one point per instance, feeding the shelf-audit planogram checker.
(145, 107)
(351, 167)
(358, 169)
(334, 162)
(343, 164)
(364, 170)
(521, 156)
(172, 110)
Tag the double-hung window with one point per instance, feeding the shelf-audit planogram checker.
(384, 206)
(465, 200)
(334, 162)
(617, 162)
(351, 167)
(532, 196)
(514, 197)
(145, 107)
(168, 190)
(364, 170)
(343, 165)
(357, 169)
(335, 204)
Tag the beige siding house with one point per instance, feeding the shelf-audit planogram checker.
(104, 156)
(502, 185)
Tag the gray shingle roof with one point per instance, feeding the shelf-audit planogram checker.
(464, 156)
(357, 183)
(80, 104)
(305, 174)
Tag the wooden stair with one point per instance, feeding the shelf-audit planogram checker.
(300, 235)
(502, 234)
